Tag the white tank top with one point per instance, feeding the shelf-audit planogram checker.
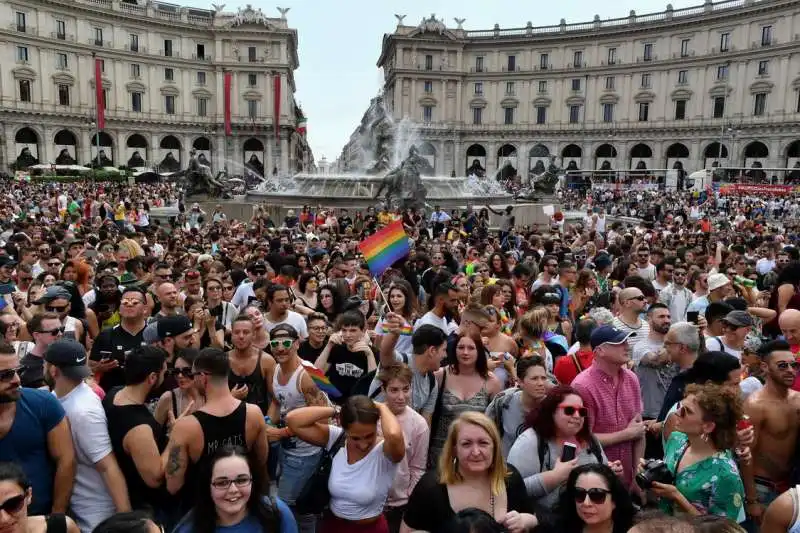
(600, 226)
(289, 397)
(69, 328)
(795, 525)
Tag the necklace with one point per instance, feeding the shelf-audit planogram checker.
(491, 501)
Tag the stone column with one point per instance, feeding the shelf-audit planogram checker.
(284, 166)
(85, 145)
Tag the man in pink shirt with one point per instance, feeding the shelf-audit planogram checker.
(396, 384)
(613, 397)
(789, 322)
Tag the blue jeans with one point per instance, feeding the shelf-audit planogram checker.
(295, 471)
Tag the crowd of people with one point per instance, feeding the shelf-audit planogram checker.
(202, 374)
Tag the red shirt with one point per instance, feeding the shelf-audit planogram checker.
(795, 348)
(565, 370)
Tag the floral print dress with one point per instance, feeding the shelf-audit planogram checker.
(713, 486)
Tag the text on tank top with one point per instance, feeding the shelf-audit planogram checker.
(257, 392)
(219, 431)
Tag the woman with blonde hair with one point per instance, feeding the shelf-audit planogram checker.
(533, 332)
(128, 248)
(471, 474)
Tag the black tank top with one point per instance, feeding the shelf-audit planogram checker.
(257, 392)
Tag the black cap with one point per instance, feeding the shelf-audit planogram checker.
(172, 326)
(283, 330)
(69, 356)
(7, 261)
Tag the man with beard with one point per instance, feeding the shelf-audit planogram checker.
(44, 328)
(169, 299)
(251, 368)
(34, 433)
(279, 302)
(445, 297)
(653, 365)
(774, 412)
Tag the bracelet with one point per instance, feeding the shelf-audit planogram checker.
(751, 501)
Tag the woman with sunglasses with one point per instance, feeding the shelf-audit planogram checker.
(15, 496)
(184, 399)
(698, 454)
(222, 311)
(232, 496)
(329, 302)
(560, 421)
(594, 499)
(305, 293)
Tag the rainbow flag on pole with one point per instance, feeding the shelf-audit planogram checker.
(388, 245)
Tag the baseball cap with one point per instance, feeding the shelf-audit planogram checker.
(739, 319)
(609, 335)
(7, 261)
(54, 292)
(150, 333)
(284, 330)
(69, 356)
(172, 326)
(715, 281)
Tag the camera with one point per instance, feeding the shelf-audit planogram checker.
(655, 470)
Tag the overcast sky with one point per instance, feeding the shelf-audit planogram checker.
(340, 41)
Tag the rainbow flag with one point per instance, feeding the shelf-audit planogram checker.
(388, 245)
(321, 380)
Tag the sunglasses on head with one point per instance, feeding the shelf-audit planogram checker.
(571, 410)
(284, 343)
(8, 374)
(595, 495)
(13, 505)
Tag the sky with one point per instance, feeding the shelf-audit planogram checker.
(339, 44)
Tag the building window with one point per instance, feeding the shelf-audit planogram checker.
(201, 78)
(428, 86)
(722, 72)
(680, 109)
(136, 70)
(201, 51)
(719, 107)
(20, 21)
(508, 115)
(763, 67)
(644, 111)
(136, 102)
(427, 114)
(202, 107)
(541, 114)
(576, 84)
(510, 88)
(251, 54)
(766, 35)
(477, 115)
(169, 74)
(512, 63)
(608, 112)
(22, 54)
(648, 52)
(577, 59)
(479, 88)
(63, 95)
(105, 99)
(759, 104)
(134, 44)
(252, 79)
(724, 42)
(543, 86)
(252, 108)
(103, 66)
(574, 114)
(479, 64)
(98, 36)
(61, 30)
(683, 76)
(25, 91)
(167, 47)
(428, 62)
(685, 48)
(612, 56)
(169, 104)
(609, 83)
(544, 61)
(62, 61)
(646, 83)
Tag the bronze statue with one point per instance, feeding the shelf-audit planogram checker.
(476, 169)
(25, 159)
(403, 184)
(169, 164)
(104, 161)
(136, 160)
(201, 181)
(64, 158)
(545, 183)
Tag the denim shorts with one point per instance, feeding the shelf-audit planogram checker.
(295, 471)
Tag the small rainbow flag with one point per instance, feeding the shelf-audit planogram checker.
(388, 245)
(405, 330)
(321, 380)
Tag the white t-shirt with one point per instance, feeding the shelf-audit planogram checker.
(90, 501)
(447, 326)
(717, 344)
(295, 320)
(242, 295)
(359, 490)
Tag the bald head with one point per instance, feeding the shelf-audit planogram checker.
(629, 293)
(789, 322)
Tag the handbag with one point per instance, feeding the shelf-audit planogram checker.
(315, 496)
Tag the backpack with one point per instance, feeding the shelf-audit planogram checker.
(499, 404)
(364, 383)
(544, 449)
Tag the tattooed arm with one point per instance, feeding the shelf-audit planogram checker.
(175, 458)
(312, 395)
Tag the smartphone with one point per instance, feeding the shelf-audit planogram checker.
(568, 452)
(693, 316)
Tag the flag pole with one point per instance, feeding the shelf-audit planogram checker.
(380, 290)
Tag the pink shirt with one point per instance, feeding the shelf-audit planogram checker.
(612, 406)
(409, 471)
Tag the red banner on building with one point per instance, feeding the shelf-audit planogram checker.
(98, 89)
(227, 79)
(276, 82)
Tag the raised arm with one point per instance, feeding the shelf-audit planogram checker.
(310, 424)
(394, 446)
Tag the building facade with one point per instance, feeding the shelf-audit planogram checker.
(719, 82)
(163, 78)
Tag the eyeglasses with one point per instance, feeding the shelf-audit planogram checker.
(595, 495)
(318, 328)
(227, 287)
(8, 374)
(185, 371)
(13, 505)
(225, 483)
(55, 308)
(571, 410)
(54, 331)
(784, 365)
(284, 343)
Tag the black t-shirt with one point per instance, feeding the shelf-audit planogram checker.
(308, 352)
(31, 372)
(429, 505)
(345, 369)
(115, 343)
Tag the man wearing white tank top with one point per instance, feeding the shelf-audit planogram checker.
(292, 387)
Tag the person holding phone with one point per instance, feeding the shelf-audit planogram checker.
(677, 296)
(557, 439)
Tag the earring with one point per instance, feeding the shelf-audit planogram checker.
(704, 436)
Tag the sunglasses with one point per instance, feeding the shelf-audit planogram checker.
(54, 264)
(227, 287)
(8, 375)
(185, 371)
(284, 343)
(639, 298)
(55, 308)
(785, 365)
(570, 410)
(595, 495)
(54, 331)
(13, 505)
